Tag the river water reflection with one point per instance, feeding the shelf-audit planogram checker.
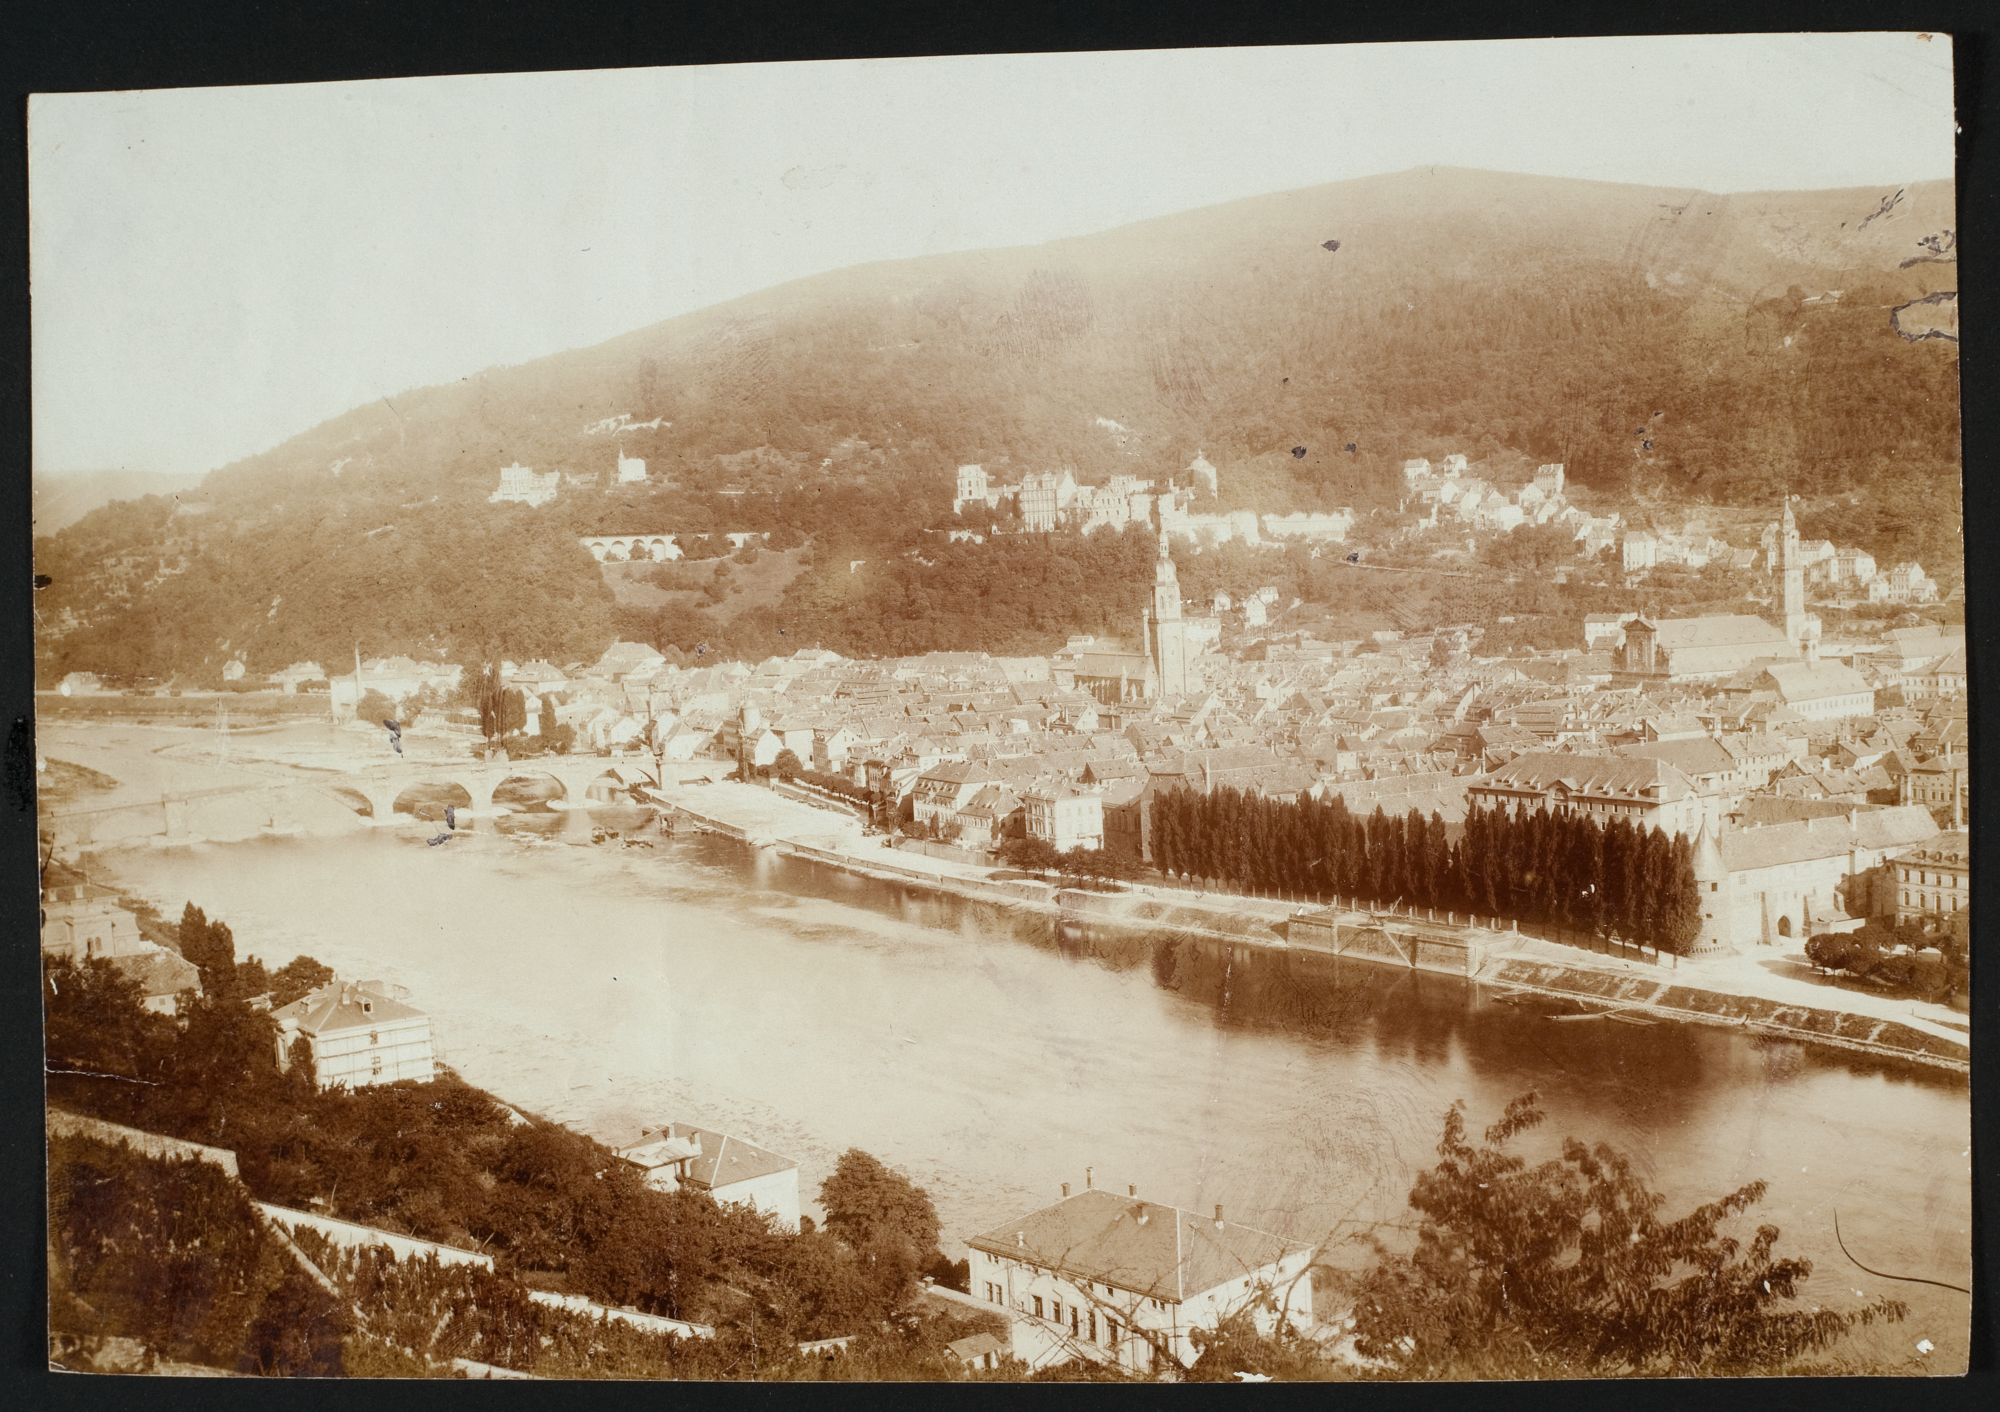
(995, 1053)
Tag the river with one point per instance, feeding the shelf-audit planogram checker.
(994, 1054)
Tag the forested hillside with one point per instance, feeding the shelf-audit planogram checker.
(1655, 341)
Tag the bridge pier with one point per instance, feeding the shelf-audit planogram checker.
(381, 796)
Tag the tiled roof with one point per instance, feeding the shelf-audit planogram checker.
(1773, 845)
(337, 1005)
(1951, 846)
(1805, 681)
(723, 1160)
(1170, 1255)
(1592, 774)
(1721, 630)
(159, 971)
(1694, 757)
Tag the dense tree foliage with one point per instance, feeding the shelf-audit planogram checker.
(1566, 1269)
(170, 1252)
(1559, 868)
(444, 1162)
(879, 1212)
(211, 948)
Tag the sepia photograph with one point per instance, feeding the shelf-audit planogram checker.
(1180, 715)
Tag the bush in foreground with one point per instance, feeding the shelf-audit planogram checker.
(1566, 1270)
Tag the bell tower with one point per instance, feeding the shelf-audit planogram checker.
(1166, 634)
(1793, 571)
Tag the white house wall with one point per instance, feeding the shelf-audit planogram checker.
(349, 1056)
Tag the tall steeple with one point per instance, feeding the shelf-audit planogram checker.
(1166, 586)
(1793, 571)
(1166, 634)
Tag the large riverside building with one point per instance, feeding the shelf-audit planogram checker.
(1934, 879)
(1645, 793)
(1779, 883)
(1114, 1279)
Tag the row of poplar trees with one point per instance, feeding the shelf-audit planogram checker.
(1559, 869)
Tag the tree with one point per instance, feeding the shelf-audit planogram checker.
(210, 948)
(297, 978)
(1098, 865)
(871, 1207)
(1234, 1348)
(1831, 951)
(1566, 1269)
(1035, 855)
(787, 765)
(489, 694)
(513, 713)
(374, 706)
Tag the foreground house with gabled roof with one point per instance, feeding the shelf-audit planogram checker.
(1114, 1279)
(360, 1035)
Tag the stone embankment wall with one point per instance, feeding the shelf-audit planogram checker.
(1425, 943)
(350, 1234)
(152, 1144)
(651, 1323)
(1668, 1000)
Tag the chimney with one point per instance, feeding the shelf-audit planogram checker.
(1218, 1216)
(1089, 1180)
(1132, 1190)
(1065, 1191)
(1142, 1217)
(1020, 1239)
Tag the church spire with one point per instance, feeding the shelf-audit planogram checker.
(1792, 570)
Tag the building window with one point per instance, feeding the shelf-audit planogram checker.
(1055, 1310)
(1093, 1326)
(1038, 1306)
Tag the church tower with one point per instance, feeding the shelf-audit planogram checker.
(1794, 572)
(1167, 642)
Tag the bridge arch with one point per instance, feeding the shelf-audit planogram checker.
(527, 786)
(428, 799)
(354, 797)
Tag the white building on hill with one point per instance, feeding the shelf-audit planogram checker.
(360, 1035)
(520, 483)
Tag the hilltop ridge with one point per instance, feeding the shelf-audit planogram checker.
(1657, 341)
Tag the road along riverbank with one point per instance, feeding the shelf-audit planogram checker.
(1772, 995)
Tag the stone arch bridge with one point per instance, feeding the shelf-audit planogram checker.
(625, 548)
(384, 784)
(285, 800)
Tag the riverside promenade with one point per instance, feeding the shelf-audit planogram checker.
(1765, 991)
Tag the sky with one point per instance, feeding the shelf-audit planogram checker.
(216, 270)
